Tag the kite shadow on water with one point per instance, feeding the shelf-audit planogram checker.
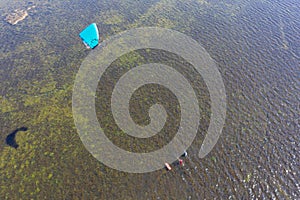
(11, 138)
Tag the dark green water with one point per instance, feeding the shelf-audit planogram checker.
(256, 46)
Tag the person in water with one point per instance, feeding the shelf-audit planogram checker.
(181, 162)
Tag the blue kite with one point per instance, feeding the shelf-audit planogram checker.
(90, 36)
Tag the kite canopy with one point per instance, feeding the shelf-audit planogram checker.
(90, 35)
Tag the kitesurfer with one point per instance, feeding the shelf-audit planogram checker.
(90, 36)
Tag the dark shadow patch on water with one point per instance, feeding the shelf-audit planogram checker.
(11, 138)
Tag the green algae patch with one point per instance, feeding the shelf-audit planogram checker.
(7, 105)
(32, 100)
(214, 159)
(115, 19)
(112, 18)
(50, 176)
(248, 178)
(130, 59)
(48, 87)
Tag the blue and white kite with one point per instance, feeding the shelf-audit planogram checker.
(90, 36)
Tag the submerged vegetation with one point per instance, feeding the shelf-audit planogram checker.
(39, 60)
